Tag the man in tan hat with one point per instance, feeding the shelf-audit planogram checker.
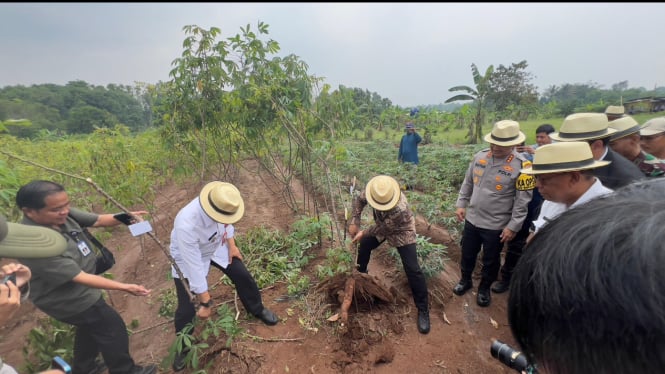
(626, 142)
(652, 137)
(393, 221)
(492, 203)
(613, 112)
(594, 129)
(203, 235)
(564, 178)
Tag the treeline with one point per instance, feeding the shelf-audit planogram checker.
(75, 108)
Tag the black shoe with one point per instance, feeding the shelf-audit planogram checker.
(268, 317)
(150, 369)
(463, 286)
(179, 361)
(423, 321)
(484, 297)
(500, 287)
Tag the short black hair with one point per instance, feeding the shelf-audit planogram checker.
(33, 195)
(546, 128)
(587, 295)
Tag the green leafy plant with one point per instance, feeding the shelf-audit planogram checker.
(50, 338)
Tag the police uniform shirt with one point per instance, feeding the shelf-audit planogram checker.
(494, 192)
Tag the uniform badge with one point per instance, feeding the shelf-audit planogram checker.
(525, 182)
(499, 187)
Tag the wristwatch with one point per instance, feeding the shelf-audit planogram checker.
(207, 304)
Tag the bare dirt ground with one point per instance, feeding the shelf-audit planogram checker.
(380, 339)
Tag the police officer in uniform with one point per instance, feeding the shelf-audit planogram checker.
(492, 203)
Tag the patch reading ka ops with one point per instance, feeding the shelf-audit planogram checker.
(525, 182)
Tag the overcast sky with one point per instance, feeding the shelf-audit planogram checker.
(409, 53)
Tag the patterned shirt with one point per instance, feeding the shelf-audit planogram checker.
(650, 165)
(397, 225)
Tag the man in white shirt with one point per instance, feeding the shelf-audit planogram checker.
(202, 236)
(564, 177)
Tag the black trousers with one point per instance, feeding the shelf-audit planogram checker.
(473, 239)
(246, 286)
(100, 329)
(513, 253)
(411, 267)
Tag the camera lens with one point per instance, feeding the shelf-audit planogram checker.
(508, 356)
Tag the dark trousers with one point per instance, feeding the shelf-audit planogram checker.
(513, 253)
(473, 238)
(411, 267)
(100, 329)
(246, 286)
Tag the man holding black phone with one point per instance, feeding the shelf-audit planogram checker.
(66, 288)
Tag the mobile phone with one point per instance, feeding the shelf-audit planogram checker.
(10, 277)
(60, 364)
(125, 218)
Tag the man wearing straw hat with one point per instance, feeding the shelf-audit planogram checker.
(203, 235)
(492, 203)
(593, 128)
(564, 176)
(626, 142)
(393, 221)
(613, 112)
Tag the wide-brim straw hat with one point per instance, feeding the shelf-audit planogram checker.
(625, 126)
(616, 110)
(653, 126)
(505, 133)
(382, 192)
(24, 241)
(563, 157)
(222, 202)
(583, 126)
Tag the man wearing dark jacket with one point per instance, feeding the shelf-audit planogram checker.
(594, 129)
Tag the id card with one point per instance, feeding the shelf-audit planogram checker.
(83, 248)
(140, 228)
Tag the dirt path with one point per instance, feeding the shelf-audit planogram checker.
(382, 340)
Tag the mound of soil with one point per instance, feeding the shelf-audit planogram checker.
(380, 335)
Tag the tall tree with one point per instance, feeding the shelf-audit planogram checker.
(511, 92)
(477, 95)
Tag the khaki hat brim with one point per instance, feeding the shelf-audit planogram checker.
(556, 136)
(649, 132)
(24, 241)
(213, 213)
(552, 168)
(520, 138)
(389, 205)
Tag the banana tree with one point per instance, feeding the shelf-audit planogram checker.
(477, 95)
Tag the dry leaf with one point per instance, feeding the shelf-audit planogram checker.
(334, 317)
(494, 323)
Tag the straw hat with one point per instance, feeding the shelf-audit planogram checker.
(583, 126)
(653, 126)
(382, 192)
(505, 133)
(616, 110)
(222, 202)
(562, 157)
(625, 126)
(23, 241)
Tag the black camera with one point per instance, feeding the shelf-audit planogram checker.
(10, 277)
(511, 358)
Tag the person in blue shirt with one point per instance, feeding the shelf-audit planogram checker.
(408, 146)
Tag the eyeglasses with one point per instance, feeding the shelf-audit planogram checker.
(651, 137)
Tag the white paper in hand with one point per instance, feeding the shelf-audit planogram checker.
(140, 228)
